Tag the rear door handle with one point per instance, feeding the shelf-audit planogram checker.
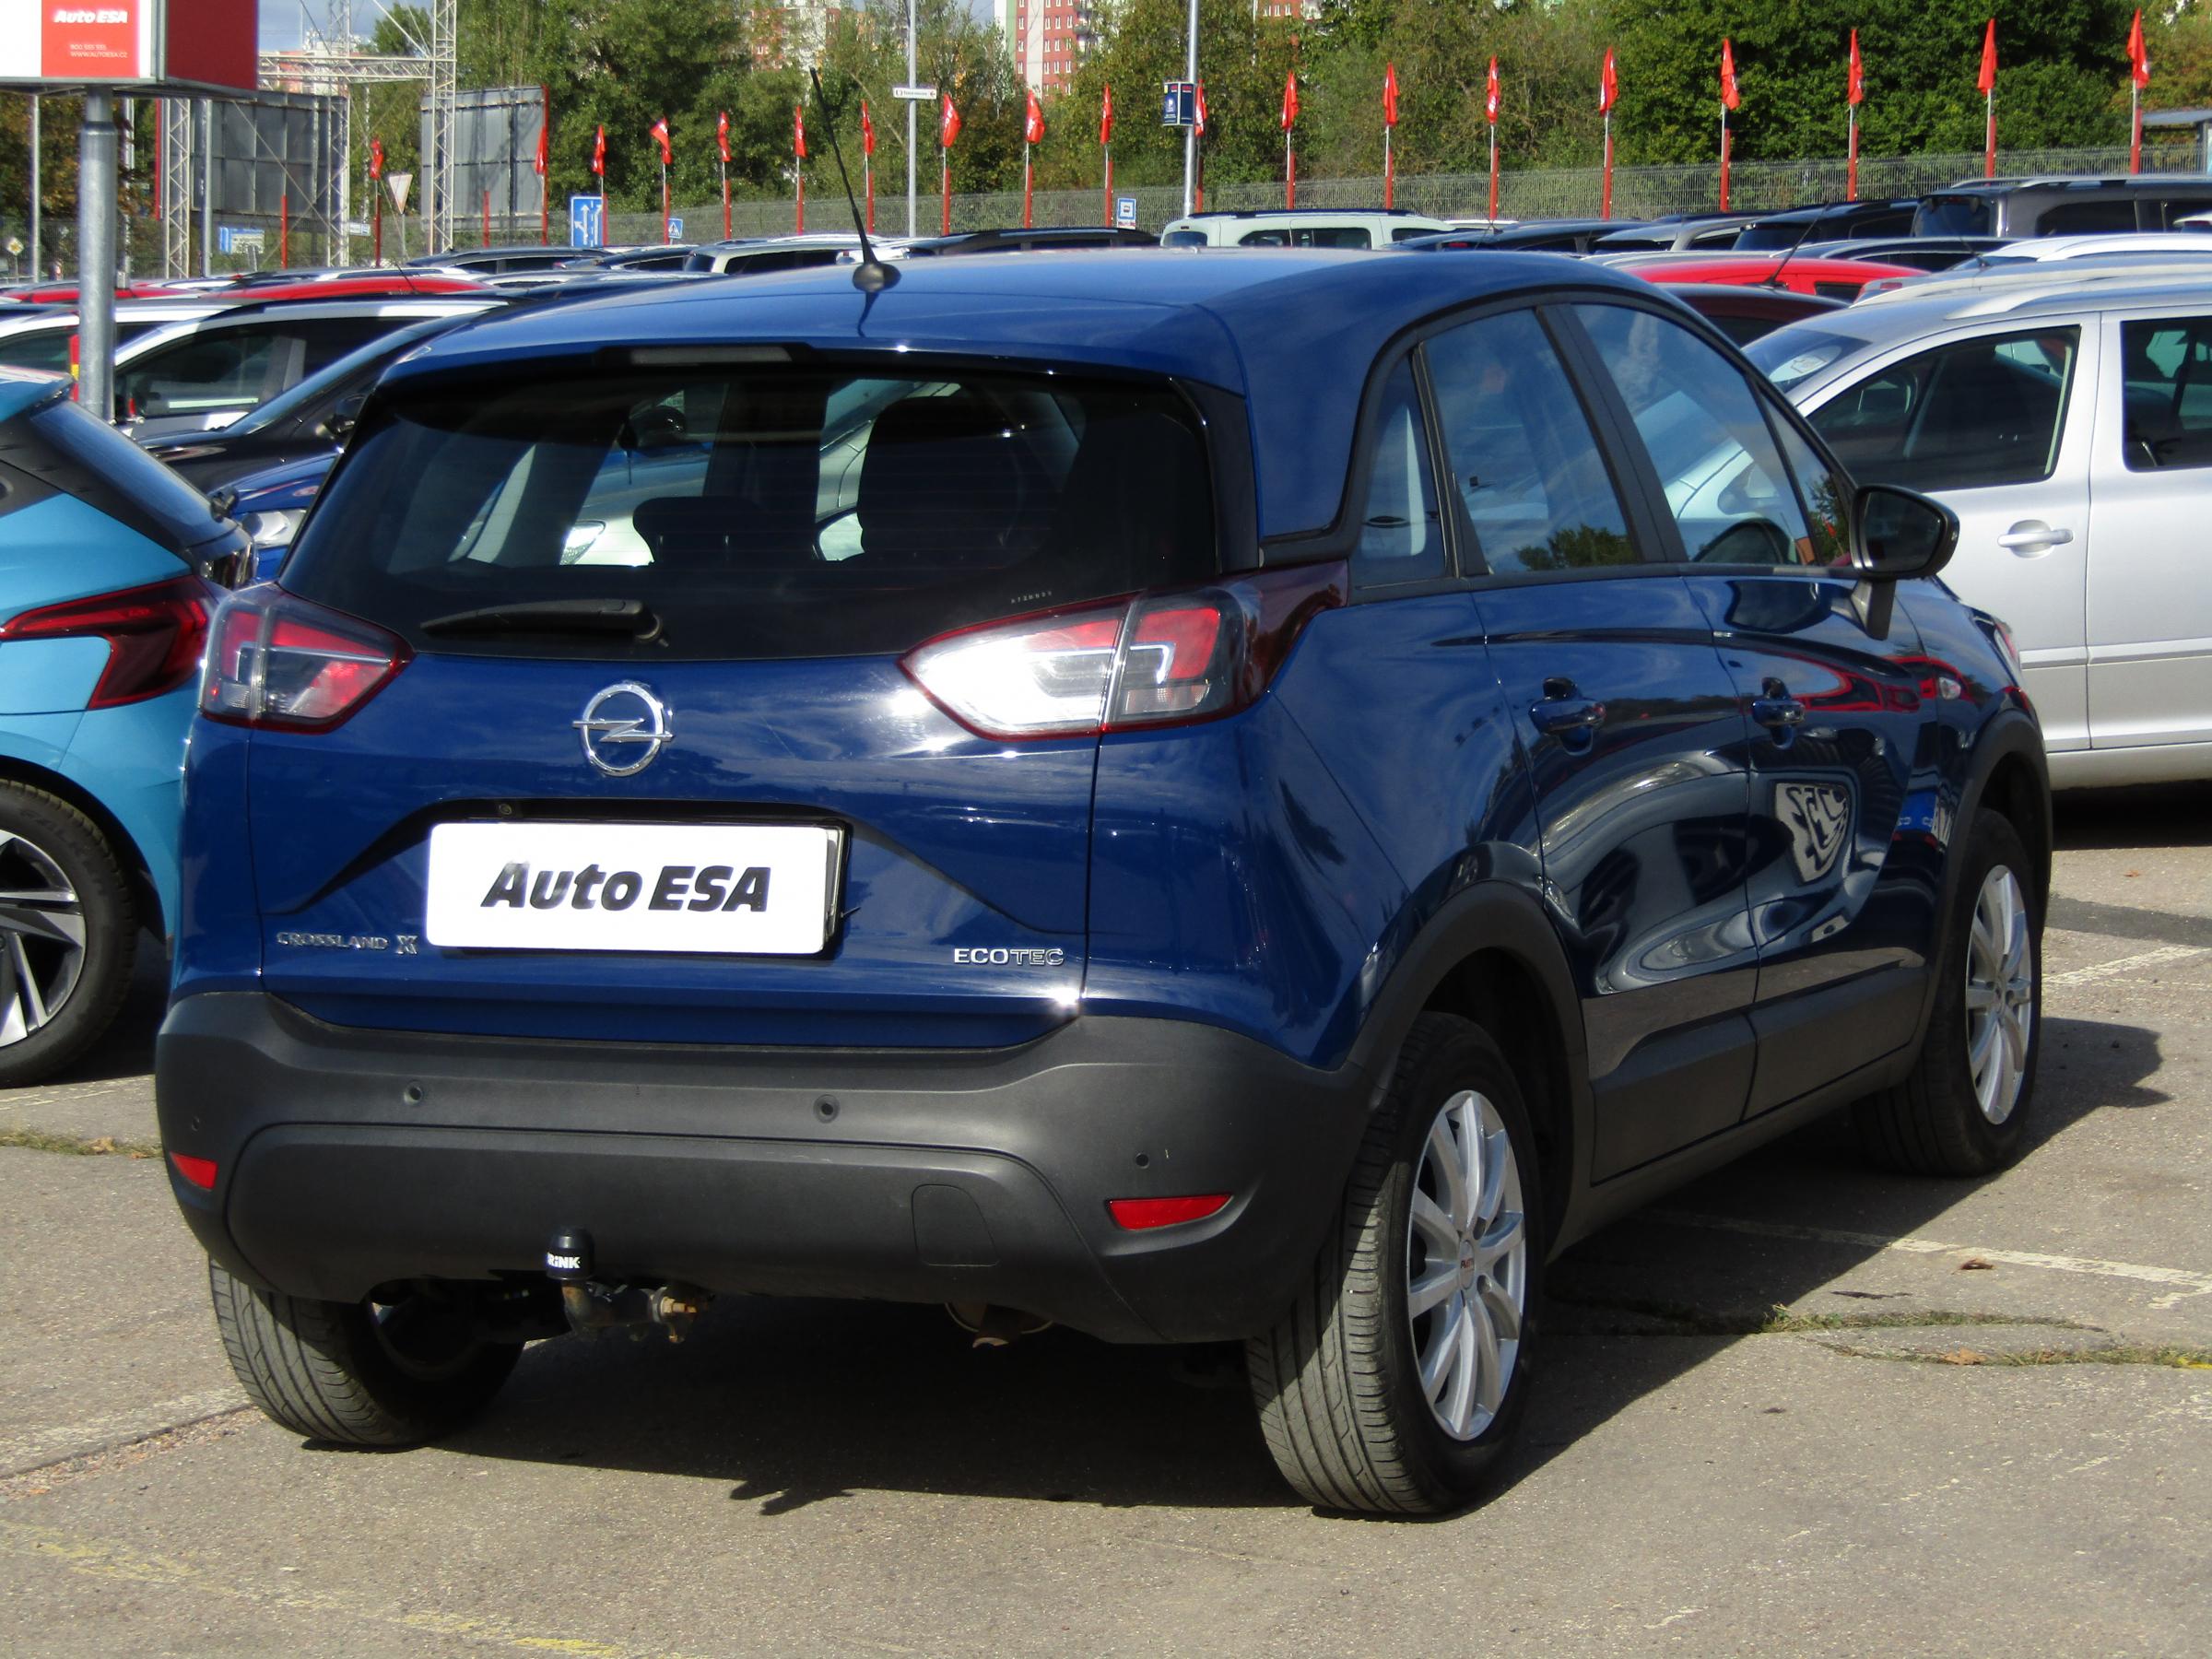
(1558, 714)
(1779, 714)
(2031, 536)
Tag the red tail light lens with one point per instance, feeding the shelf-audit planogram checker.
(278, 661)
(199, 1172)
(155, 635)
(1138, 1214)
(1159, 659)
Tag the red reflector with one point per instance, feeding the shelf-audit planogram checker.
(200, 1172)
(1137, 1214)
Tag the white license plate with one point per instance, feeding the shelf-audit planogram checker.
(752, 889)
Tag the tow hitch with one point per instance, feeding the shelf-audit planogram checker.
(594, 1305)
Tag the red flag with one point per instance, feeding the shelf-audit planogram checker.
(798, 131)
(1106, 115)
(1988, 79)
(543, 159)
(1201, 109)
(721, 135)
(1854, 84)
(659, 136)
(1032, 126)
(1730, 98)
(1608, 84)
(948, 124)
(1490, 96)
(2138, 60)
(1389, 95)
(599, 153)
(1290, 100)
(376, 157)
(867, 131)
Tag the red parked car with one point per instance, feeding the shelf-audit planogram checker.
(1804, 274)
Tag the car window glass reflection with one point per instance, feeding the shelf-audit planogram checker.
(1523, 460)
(1707, 437)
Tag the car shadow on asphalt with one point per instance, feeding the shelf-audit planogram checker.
(2154, 815)
(795, 1403)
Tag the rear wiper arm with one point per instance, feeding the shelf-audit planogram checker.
(631, 617)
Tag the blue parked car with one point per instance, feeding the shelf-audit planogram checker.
(1256, 798)
(109, 568)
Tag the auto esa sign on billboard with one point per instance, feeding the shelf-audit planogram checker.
(138, 43)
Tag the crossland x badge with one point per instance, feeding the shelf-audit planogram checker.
(624, 728)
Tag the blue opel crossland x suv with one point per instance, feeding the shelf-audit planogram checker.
(1248, 797)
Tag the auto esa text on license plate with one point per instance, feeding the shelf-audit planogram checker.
(747, 888)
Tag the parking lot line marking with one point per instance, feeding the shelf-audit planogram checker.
(97, 1557)
(2148, 959)
(2186, 1282)
(41, 1446)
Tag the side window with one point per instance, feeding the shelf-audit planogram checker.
(2169, 391)
(329, 339)
(1401, 534)
(222, 368)
(1524, 461)
(1826, 500)
(1264, 238)
(1707, 437)
(2172, 209)
(1963, 417)
(2075, 219)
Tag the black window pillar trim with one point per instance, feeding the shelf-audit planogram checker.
(1651, 528)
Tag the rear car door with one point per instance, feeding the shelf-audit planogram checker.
(1999, 426)
(2149, 606)
(1840, 874)
(1631, 731)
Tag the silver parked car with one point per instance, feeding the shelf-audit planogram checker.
(2069, 426)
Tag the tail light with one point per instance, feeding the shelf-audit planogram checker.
(154, 635)
(276, 660)
(1157, 659)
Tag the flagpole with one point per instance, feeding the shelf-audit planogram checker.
(1604, 207)
(1851, 165)
(1108, 149)
(1723, 158)
(867, 178)
(946, 227)
(2135, 121)
(664, 201)
(1027, 179)
(1989, 143)
(1493, 171)
(1387, 179)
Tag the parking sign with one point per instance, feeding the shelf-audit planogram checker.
(587, 221)
(1124, 212)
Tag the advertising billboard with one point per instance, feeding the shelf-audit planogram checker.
(141, 44)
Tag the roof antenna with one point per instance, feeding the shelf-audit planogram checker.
(871, 276)
(1774, 277)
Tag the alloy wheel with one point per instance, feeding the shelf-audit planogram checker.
(1466, 1253)
(41, 935)
(2000, 994)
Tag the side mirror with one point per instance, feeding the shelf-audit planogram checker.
(1901, 534)
(344, 418)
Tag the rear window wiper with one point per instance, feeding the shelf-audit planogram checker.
(630, 617)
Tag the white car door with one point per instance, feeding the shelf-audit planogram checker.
(2149, 606)
(1997, 423)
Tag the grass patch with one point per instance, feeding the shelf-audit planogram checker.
(78, 1146)
(2176, 1359)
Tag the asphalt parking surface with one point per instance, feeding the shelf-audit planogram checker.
(1800, 1406)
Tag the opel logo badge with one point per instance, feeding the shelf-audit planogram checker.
(624, 728)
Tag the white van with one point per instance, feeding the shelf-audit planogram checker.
(1302, 228)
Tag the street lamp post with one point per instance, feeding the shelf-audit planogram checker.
(1189, 134)
(914, 74)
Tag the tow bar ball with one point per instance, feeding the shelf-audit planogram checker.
(593, 1306)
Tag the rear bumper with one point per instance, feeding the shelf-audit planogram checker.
(348, 1157)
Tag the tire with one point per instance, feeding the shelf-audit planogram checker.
(1338, 1381)
(68, 934)
(329, 1372)
(1937, 1122)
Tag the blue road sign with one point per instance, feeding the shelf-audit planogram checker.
(1124, 212)
(1178, 103)
(587, 221)
(239, 239)
(676, 229)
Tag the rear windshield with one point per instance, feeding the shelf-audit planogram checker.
(758, 511)
(1770, 235)
(1955, 215)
